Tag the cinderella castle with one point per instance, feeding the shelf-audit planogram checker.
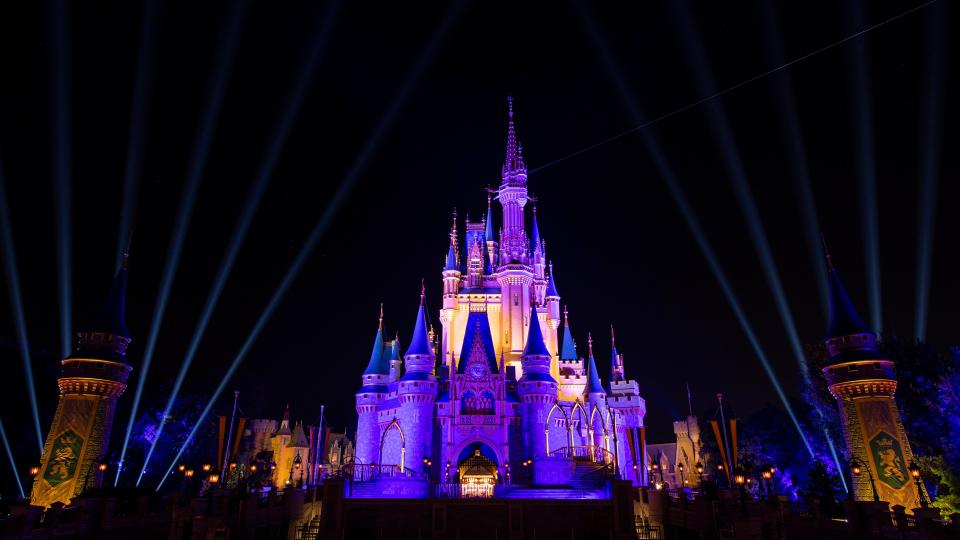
(501, 402)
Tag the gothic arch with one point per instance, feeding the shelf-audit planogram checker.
(579, 432)
(391, 452)
(599, 432)
(557, 436)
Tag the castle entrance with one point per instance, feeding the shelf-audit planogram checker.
(477, 471)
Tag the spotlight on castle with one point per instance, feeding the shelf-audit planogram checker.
(497, 404)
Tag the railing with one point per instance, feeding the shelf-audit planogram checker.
(597, 478)
(596, 454)
(646, 531)
(362, 473)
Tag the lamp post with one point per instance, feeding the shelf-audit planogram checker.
(766, 474)
(683, 480)
(699, 469)
(297, 465)
(740, 479)
(856, 468)
(915, 474)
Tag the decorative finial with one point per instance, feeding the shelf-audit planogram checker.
(590, 343)
(510, 106)
(489, 195)
(826, 252)
(423, 290)
(613, 338)
(381, 315)
(566, 316)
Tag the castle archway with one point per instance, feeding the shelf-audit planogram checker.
(477, 470)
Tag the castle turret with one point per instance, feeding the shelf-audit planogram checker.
(573, 378)
(417, 392)
(488, 234)
(862, 381)
(627, 410)
(91, 381)
(537, 389)
(593, 391)
(370, 395)
(396, 362)
(451, 287)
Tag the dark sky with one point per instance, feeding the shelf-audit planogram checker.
(622, 252)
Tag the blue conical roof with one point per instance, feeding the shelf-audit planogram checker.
(551, 286)
(111, 317)
(535, 345)
(535, 236)
(451, 259)
(395, 349)
(568, 350)
(594, 386)
(379, 364)
(844, 319)
(489, 230)
(420, 342)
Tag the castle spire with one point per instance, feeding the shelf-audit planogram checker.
(111, 317)
(513, 167)
(420, 342)
(844, 319)
(488, 230)
(594, 386)
(568, 350)
(378, 364)
(551, 286)
(535, 345)
(616, 363)
(535, 235)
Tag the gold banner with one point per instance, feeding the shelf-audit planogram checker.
(65, 462)
(887, 453)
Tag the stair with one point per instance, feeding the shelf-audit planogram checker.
(363, 490)
(581, 480)
(554, 492)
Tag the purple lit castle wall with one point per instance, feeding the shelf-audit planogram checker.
(496, 402)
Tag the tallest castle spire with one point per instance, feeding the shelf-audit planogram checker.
(514, 170)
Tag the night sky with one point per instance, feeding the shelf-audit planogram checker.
(621, 250)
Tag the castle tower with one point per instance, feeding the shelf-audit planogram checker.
(396, 363)
(687, 432)
(595, 397)
(863, 383)
(572, 375)
(370, 395)
(514, 273)
(91, 381)
(416, 393)
(451, 288)
(537, 389)
(627, 411)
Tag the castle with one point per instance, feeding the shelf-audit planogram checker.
(497, 398)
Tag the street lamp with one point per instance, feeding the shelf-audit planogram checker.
(683, 481)
(856, 467)
(915, 473)
(206, 467)
(34, 470)
(740, 479)
(181, 467)
(766, 474)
